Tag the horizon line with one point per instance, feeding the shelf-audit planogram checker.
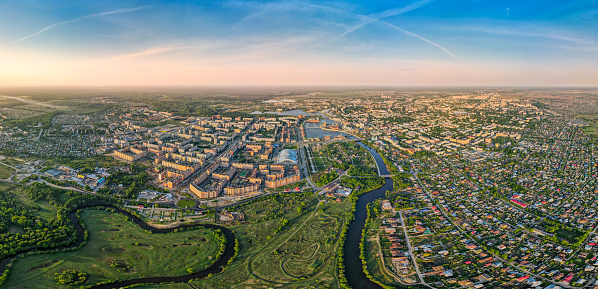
(493, 86)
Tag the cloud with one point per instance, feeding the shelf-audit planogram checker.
(254, 49)
(294, 6)
(148, 52)
(421, 38)
(583, 41)
(281, 6)
(374, 17)
(117, 11)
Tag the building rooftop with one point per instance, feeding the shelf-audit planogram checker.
(287, 156)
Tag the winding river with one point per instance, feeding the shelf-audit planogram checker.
(353, 268)
(216, 267)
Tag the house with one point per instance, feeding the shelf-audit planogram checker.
(390, 230)
(447, 273)
(435, 271)
(485, 278)
(386, 206)
(523, 278)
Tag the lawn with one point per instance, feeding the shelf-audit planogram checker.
(119, 249)
(186, 203)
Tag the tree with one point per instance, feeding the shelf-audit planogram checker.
(71, 277)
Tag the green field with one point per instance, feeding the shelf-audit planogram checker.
(569, 235)
(43, 207)
(287, 241)
(13, 162)
(5, 186)
(119, 249)
(592, 120)
(186, 203)
(301, 255)
(5, 171)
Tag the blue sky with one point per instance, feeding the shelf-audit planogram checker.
(427, 42)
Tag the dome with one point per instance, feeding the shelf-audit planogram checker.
(287, 156)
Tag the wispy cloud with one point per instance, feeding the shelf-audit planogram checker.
(117, 11)
(262, 9)
(374, 17)
(180, 48)
(531, 31)
(224, 50)
(363, 20)
(422, 38)
(377, 18)
(148, 52)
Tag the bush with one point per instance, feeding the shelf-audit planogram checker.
(71, 277)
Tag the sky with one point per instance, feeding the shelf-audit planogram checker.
(296, 42)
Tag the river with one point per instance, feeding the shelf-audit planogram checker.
(216, 267)
(353, 268)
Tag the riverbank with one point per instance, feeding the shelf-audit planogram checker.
(227, 252)
(356, 277)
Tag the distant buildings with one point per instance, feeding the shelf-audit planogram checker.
(131, 154)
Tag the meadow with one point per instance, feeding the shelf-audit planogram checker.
(119, 249)
(299, 254)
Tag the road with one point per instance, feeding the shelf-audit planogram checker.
(410, 250)
(64, 188)
(233, 142)
(394, 276)
(8, 166)
(496, 257)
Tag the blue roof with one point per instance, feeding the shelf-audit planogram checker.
(287, 156)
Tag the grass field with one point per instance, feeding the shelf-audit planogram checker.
(186, 203)
(568, 235)
(5, 186)
(280, 246)
(43, 207)
(302, 255)
(5, 171)
(13, 162)
(119, 249)
(592, 120)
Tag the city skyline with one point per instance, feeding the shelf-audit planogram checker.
(418, 43)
